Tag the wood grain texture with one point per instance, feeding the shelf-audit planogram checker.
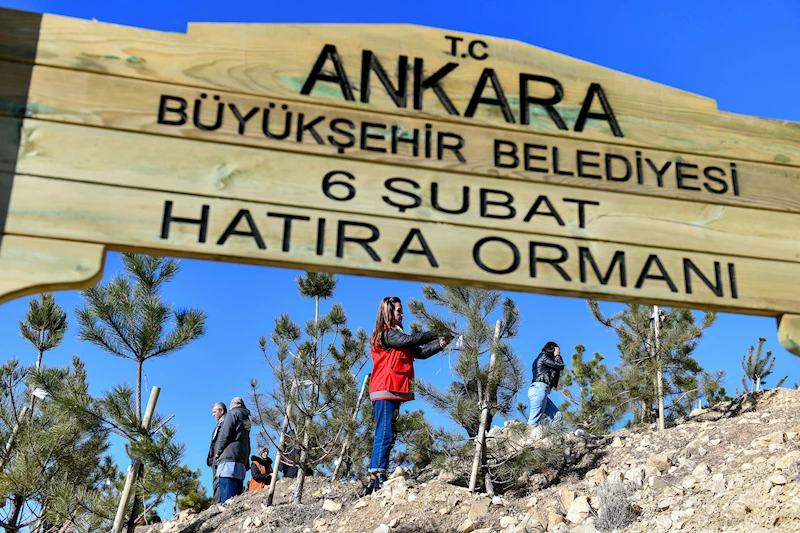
(289, 179)
(789, 333)
(132, 105)
(276, 59)
(394, 249)
(31, 265)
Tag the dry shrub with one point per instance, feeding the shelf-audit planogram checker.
(616, 511)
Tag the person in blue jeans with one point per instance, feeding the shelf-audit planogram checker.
(392, 380)
(547, 369)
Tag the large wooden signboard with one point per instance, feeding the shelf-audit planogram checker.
(396, 151)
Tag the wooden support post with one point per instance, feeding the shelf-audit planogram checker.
(281, 442)
(133, 470)
(488, 400)
(346, 443)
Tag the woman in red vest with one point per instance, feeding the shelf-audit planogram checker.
(392, 381)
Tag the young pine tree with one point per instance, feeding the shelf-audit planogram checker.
(315, 371)
(756, 368)
(595, 407)
(487, 372)
(129, 318)
(645, 356)
(54, 477)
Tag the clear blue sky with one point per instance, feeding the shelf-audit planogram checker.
(741, 54)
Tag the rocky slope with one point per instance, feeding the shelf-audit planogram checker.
(734, 468)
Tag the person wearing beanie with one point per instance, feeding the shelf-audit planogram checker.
(232, 450)
(260, 470)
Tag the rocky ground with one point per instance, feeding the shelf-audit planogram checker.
(734, 468)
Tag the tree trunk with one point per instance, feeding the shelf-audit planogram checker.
(135, 509)
(486, 416)
(11, 440)
(18, 502)
(139, 365)
(301, 471)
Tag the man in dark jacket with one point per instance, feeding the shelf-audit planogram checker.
(218, 412)
(232, 450)
(547, 369)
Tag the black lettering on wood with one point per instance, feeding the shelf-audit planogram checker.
(287, 227)
(421, 84)
(645, 274)
(426, 251)
(689, 267)
(555, 263)
(342, 238)
(253, 230)
(370, 63)
(551, 211)
(476, 255)
(329, 53)
(595, 89)
(525, 99)
(168, 219)
(478, 98)
(585, 255)
(180, 110)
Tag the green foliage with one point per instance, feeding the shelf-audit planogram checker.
(470, 311)
(315, 369)
(189, 492)
(45, 323)
(756, 368)
(53, 474)
(595, 406)
(129, 318)
(635, 377)
(487, 373)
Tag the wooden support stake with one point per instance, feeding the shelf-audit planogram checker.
(346, 443)
(133, 470)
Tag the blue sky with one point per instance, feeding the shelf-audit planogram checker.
(741, 55)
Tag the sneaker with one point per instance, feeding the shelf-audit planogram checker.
(375, 484)
(580, 433)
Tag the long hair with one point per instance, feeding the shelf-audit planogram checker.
(385, 317)
(549, 348)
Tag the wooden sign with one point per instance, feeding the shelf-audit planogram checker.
(395, 151)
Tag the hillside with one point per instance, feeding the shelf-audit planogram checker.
(734, 468)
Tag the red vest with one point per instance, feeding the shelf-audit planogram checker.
(392, 374)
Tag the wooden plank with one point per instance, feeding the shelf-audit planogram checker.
(131, 105)
(374, 246)
(277, 60)
(31, 265)
(289, 179)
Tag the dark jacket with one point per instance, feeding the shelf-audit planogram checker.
(233, 440)
(393, 363)
(547, 369)
(255, 471)
(210, 458)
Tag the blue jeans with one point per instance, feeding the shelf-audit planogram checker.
(385, 413)
(229, 487)
(541, 405)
